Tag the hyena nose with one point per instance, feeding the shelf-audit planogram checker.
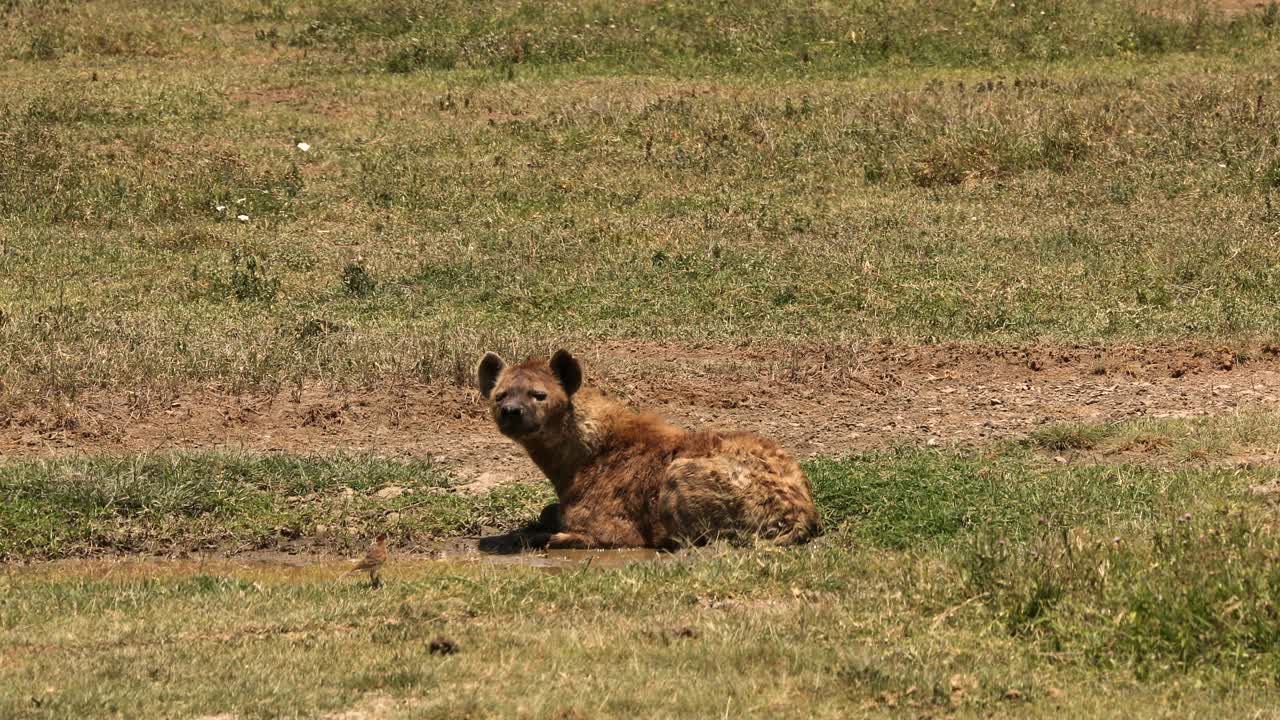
(511, 412)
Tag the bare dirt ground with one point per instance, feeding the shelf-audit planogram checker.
(813, 401)
(1237, 7)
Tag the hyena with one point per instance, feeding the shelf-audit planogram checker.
(631, 479)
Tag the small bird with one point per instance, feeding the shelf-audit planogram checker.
(372, 561)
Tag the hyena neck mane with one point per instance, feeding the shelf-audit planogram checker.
(562, 449)
(594, 424)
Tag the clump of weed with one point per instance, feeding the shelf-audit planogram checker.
(982, 153)
(46, 44)
(951, 161)
(874, 171)
(319, 327)
(1271, 176)
(271, 37)
(1061, 145)
(422, 55)
(318, 33)
(1070, 436)
(247, 280)
(357, 281)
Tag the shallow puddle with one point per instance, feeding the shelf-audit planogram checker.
(309, 566)
(561, 560)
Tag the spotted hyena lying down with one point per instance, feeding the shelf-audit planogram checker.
(628, 479)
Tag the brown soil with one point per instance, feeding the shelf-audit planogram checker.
(1185, 11)
(1238, 7)
(813, 401)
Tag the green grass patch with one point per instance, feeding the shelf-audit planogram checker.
(178, 503)
(755, 36)
(1158, 609)
(915, 498)
(1186, 592)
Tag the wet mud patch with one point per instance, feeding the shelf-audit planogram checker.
(283, 566)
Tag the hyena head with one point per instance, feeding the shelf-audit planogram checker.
(533, 396)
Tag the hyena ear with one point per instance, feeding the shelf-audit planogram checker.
(567, 370)
(488, 371)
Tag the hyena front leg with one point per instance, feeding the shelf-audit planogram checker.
(549, 519)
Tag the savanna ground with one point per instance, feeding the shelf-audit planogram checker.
(1005, 275)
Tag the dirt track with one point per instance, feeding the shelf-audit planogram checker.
(814, 402)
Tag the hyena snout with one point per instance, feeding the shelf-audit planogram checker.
(516, 418)
(512, 417)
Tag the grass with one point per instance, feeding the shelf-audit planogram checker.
(511, 176)
(823, 632)
(1073, 436)
(1241, 439)
(959, 583)
(903, 499)
(897, 499)
(211, 501)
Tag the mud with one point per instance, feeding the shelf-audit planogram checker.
(557, 561)
(814, 400)
(317, 566)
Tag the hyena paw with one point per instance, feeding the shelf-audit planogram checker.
(563, 540)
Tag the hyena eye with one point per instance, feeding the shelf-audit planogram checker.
(538, 395)
(499, 397)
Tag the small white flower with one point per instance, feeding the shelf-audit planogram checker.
(304, 147)
(220, 208)
(242, 218)
(241, 201)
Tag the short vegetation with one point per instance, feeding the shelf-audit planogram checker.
(260, 194)
(476, 175)
(948, 582)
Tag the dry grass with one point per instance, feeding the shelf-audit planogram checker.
(814, 633)
(947, 584)
(963, 187)
(515, 175)
(1243, 440)
(956, 583)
